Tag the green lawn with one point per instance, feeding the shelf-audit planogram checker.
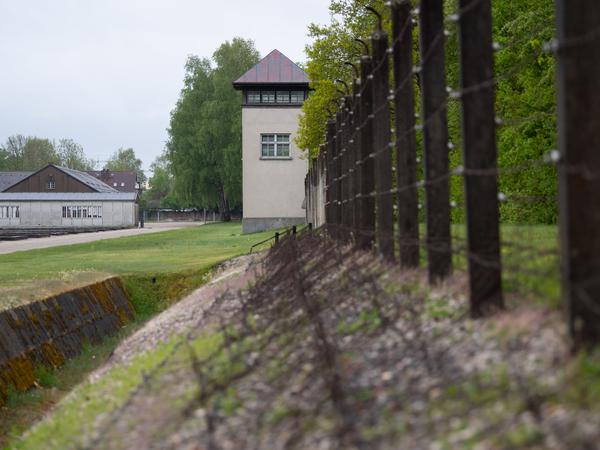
(531, 264)
(169, 251)
(157, 268)
(530, 261)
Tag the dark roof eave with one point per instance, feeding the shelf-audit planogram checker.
(245, 85)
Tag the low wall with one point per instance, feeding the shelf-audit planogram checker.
(51, 331)
(154, 215)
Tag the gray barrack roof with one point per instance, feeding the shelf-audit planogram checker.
(7, 179)
(86, 178)
(68, 196)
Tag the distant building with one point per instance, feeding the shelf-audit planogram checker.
(273, 167)
(60, 197)
(122, 181)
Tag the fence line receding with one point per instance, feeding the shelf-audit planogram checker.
(380, 164)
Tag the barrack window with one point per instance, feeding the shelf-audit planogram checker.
(9, 212)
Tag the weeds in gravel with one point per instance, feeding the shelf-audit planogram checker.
(584, 381)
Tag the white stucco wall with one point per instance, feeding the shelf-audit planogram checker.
(49, 214)
(271, 188)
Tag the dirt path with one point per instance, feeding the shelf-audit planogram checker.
(232, 276)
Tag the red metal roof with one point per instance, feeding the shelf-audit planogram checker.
(274, 68)
(123, 181)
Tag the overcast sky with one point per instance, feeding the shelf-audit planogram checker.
(107, 73)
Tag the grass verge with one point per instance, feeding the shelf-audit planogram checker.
(183, 250)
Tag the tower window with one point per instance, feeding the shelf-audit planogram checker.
(297, 97)
(283, 96)
(253, 96)
(275, 96)
(268, 96)
(275, 146)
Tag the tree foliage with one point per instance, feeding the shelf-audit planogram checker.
(204, 146)
(29, 153)
(125, 159)
(527, 104)
(525, 94)
(71, 155)
(332, 44)
(160, 192)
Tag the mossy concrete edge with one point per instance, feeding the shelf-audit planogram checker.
(50, 331)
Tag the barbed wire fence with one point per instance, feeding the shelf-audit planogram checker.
(364, 186)
(320, 338)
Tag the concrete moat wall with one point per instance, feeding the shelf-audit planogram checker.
(51, 331)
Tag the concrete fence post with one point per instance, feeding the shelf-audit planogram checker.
(435, 138)
(578, 76)
(382, 146)
(406, 147)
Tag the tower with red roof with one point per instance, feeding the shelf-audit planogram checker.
(274, 167)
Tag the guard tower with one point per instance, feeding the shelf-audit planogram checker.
(273, 167)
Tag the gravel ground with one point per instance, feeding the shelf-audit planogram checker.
(189, 312)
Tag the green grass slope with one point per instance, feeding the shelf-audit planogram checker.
(185, 253)
(169, 251)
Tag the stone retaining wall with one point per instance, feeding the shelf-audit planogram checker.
(51, 331)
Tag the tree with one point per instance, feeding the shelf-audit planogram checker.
(28, 153)
(193, 183)
(125, 159)
(204, 146)
(39, 152)
(3, 159)
(161, 184)
(524, 93)
(332, 44)
(72, 156)
(12, 152)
